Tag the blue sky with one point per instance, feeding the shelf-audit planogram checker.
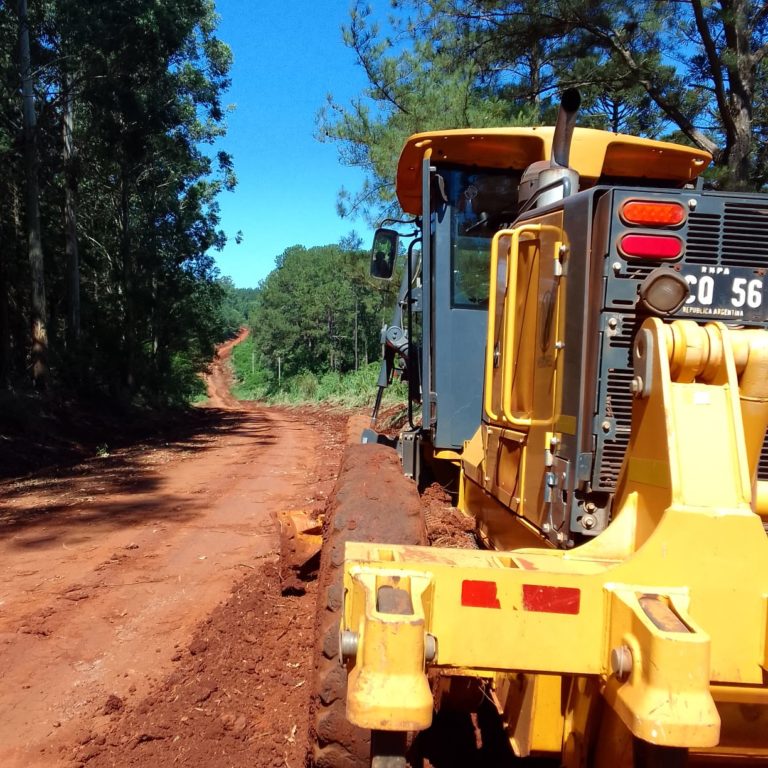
(287, 57)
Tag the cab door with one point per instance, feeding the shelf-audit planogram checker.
(523, 366)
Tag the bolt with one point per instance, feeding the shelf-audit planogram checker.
(590, 506)
(612, 322)
(348, 642)
(588, 521)
(546, 527)
(561, 536)
(430, 647)
(559, 345)
(636, 385)
(692, 203)
(621, 661)
(616, 266)
(606, 426)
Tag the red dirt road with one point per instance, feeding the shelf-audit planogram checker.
(119, 641)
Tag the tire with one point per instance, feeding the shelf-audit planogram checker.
(371, 502)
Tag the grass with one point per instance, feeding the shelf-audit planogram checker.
(351, 390)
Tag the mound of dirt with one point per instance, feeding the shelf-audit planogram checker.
(446, 526)
(238, 697)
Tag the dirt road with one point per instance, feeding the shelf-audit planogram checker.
(121, 639)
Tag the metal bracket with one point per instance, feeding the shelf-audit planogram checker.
(642, 361)
(409, 448)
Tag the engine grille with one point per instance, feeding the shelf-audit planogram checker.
(723, 230)
(734, 237)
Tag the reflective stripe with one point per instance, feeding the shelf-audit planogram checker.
(479, 594)
(546, 599)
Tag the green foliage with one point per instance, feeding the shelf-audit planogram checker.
(252, 380)
(690, 71)
(146, 79)
(353, 389)
(318, 311)
(315, 329)
(236, 306)
(184, 383)
(415, 85)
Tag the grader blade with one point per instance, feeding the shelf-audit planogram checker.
(300, 543)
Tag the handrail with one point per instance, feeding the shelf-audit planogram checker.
(509, 323)
(491, 333)
(493, 289)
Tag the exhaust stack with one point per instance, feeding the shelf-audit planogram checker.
(566, 122)
(547, 182)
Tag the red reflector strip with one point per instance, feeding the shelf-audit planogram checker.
(651, 246)
(551, 599)
(479, 594)
(650, 214)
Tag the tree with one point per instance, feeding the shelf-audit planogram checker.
(39, 312)
(698, 62)
(411, 89)
(318, 311)
(689, 69)
(128, 103)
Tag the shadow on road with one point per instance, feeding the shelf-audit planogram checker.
(119, 485)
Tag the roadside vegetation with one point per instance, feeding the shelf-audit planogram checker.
(350, 389)
(315, 325)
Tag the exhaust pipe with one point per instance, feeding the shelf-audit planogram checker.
(566, 122)
(545, 182)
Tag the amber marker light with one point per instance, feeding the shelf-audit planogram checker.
(645, 213)
(651, 246)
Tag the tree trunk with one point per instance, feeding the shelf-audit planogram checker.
(738, 158)
(70, 218)
(741, 66)
(129, 330)
(5, 330)
(357, 356)
(39, 356)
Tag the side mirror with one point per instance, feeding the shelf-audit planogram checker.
(384, 253)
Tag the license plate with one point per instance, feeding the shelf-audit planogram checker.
(724, 293)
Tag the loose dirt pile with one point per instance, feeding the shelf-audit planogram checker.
(446, 526)
(238, 696)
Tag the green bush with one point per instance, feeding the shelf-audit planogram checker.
(352, 390)
(184, 384)
(252, 381)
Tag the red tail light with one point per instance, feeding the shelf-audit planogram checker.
(647, 213)
(651, 246)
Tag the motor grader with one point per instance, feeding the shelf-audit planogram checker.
(584, 333)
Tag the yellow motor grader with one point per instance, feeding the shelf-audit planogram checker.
(584, 333)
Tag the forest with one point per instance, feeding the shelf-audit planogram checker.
(107, 278)
(109, 134)
(317, 313)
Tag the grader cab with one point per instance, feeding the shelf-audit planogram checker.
(587, 329)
